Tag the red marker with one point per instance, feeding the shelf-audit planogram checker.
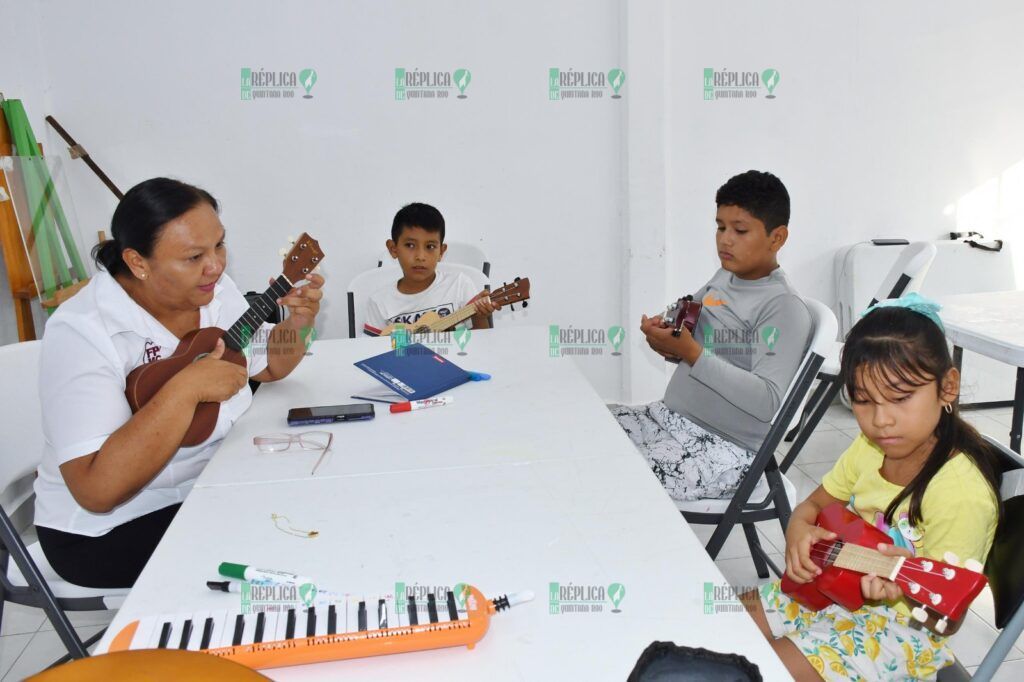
(421, 404)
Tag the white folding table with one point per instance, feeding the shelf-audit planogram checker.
(990, 324)
(523, 481)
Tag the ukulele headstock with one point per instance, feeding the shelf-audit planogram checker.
(302, 258)
(943, 588)
(683, 313)
(510, 294)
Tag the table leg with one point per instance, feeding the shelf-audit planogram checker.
(958, 361)
(1018, 411)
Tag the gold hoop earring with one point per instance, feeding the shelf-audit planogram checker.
(948, 407)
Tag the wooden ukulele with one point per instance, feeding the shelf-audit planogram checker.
(942, 588)
(683, 313)
(146, 380)
(510, 294)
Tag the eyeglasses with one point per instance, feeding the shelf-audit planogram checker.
(307, 440)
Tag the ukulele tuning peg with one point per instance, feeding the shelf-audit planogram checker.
(940, 626)
(518, 278)
(282, 252)
(974, 565)
(512, 307)
(291, 239)
(919, 614)
(526, 303)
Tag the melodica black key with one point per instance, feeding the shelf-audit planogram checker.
(432, 607)
(186, 634)
(382, 614)
(362, 616)
(289, 631)
(236, 638)
(413, 614)
(207, 634)
(453, 610)
(311, 622)
(261, 622)
(165, 635)
(332, 620)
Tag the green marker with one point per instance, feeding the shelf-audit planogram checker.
(261, 575)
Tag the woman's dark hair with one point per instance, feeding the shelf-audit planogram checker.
(899, 348)
(141, 216)
(760, 194)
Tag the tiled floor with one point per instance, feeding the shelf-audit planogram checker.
(28, 643)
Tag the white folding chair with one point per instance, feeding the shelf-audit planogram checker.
(366, 283)
(906, 276)
(458, 253)
(29, 579)
(765, 493)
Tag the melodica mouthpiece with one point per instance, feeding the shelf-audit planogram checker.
(503, 602)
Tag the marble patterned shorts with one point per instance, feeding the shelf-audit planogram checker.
(690, 462)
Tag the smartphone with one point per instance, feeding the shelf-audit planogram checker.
(328, 414)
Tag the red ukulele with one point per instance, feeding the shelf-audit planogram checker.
(942, 588)
(144, 381)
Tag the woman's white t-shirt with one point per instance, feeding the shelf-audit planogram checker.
(90, 345)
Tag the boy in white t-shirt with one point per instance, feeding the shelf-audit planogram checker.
(417, 241)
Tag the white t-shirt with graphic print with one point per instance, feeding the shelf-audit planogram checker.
(449, 292)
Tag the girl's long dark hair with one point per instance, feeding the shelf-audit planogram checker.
(900, 348)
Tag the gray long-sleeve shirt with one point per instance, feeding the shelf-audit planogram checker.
(754, 334)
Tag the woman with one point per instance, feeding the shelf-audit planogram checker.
(111, 481)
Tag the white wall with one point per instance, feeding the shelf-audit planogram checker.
(889, 119)
(153, 89)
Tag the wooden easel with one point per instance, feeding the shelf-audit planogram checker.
(19, 273)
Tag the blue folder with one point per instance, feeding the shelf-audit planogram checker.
(414, 372)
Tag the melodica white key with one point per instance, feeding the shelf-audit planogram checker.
(223, 627)
(279, 628)
(158, 629)
(198, 622)
(144, 633)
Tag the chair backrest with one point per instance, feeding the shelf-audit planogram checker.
(366, 283)
(825, 328)
(1006, 558)
(22, 421)
(458, 253)
(908, 272)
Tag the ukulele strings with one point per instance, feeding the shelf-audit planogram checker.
(236, 336)
(900, 577)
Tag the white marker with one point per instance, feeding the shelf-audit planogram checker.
(422, 404)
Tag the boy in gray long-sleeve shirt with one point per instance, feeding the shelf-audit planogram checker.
(752, 334)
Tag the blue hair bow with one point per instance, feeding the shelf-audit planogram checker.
(912, 301)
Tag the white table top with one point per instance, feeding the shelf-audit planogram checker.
(991, 324)
(505, 521)
(534, 407)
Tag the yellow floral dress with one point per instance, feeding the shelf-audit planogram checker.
(872, 643)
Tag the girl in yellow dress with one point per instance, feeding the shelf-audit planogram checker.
(918, 472)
